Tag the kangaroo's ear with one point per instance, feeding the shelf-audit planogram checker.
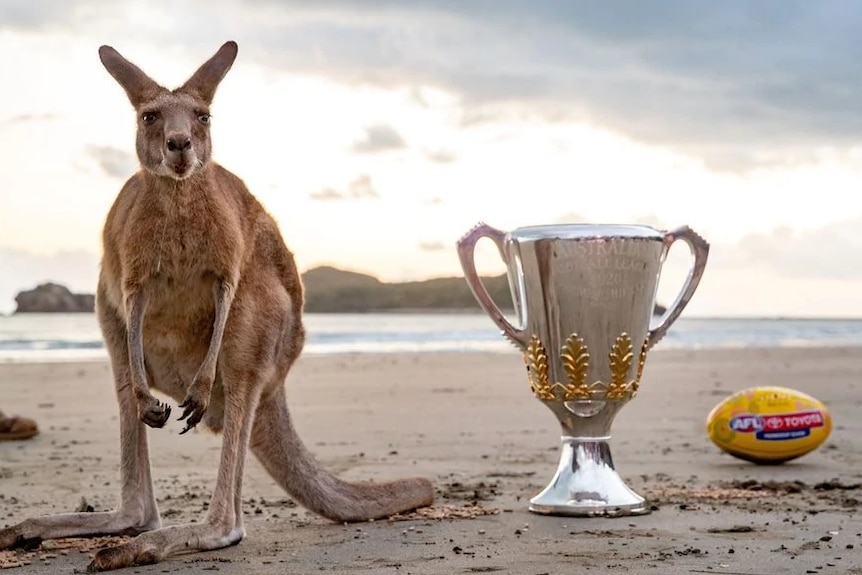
(138, 86)
(205, 80)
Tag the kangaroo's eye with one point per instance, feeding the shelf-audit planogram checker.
(149, 117)
(204, 118)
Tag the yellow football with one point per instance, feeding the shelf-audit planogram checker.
(769, 425)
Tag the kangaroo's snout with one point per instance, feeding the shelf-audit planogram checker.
(178, 154)
(178, 143)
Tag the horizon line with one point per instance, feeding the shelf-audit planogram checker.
(446, 311)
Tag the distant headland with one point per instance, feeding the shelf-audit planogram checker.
(327, 290)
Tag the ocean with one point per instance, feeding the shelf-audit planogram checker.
(76, 337)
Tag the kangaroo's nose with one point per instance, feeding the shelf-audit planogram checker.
(178, 143)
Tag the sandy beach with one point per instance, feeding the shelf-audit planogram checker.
(469, 423)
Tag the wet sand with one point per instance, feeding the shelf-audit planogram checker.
(469, 423)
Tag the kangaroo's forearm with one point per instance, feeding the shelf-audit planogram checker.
(150, 410)
(136, 304)
(198, 394)
(224, 294)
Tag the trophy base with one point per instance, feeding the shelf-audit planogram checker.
(587, 485)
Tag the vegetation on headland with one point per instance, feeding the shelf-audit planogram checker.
(330, 290)
(327, 290)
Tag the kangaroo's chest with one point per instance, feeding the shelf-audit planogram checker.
(185, 255)
(185, 240)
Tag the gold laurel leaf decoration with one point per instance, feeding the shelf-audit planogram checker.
(576, 361)
(641, 361)
(621, 357)
(537, 366)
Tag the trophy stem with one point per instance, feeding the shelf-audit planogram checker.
(587, 485)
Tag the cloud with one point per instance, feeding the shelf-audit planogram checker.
(113, 161)
(736, 83)
(27, 14)
(28, 118)
(326, 194)
(362, 188)
(832, 252)
(379, 138)
(434, 246)
(441, 156)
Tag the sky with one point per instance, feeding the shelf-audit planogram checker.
(378, 132)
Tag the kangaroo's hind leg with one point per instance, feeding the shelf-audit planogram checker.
(137, 511)
(222, 526)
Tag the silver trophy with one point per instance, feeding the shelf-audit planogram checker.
(584, 296)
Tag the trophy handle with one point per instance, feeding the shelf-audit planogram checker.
(466, 253)
(700, 251)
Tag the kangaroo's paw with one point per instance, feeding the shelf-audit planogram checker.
(153, 412)
(155, 546)
(196, 402)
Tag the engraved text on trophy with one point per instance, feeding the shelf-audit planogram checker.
(602, 272)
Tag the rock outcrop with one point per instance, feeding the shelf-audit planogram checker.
(54, 298)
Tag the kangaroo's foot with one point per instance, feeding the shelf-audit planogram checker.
(30, 533)
(152, 411)
(155, 546)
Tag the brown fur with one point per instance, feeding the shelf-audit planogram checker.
(199, 298)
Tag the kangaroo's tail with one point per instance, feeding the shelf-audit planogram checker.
(277, 446)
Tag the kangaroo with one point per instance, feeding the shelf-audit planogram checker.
(199, 297)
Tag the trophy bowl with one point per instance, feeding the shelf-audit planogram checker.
(584, 296)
